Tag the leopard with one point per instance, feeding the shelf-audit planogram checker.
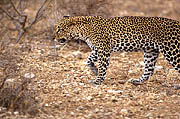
(150, 35)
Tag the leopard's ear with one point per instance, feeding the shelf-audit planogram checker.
(66, 17)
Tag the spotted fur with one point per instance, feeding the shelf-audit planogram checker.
(152, 35)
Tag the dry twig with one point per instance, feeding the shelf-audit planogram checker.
(20, 19)
(3, 82)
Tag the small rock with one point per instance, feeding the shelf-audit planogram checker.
(158, 67)
(9, 113)
(29, 75)
(124, 111)
(149, 115)
(89, 97)
(141, 63)
(56, 105)
(37, 98)
(77, 54)
(132, 71)
(127, 118)
(176, 87)
(123, 54)
(80, 108)
(46, 105)
(16, 113)
(72, 113)
(114, 91)
(173, 96)
(39, 51)
(64, 85)
(96, 110)
(81, 84)
(2, 109)
(10, 80)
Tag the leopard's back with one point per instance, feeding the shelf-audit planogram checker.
(142, 33)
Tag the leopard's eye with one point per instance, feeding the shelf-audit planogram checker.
(62, 40)
(62, 29)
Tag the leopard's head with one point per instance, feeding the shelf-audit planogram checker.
(62, 32)
(69, 28)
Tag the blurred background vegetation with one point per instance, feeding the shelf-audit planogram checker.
(39, 17)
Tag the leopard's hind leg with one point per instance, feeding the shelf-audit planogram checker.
(173, 56)
(150, 59)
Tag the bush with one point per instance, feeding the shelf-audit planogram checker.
(15, 96)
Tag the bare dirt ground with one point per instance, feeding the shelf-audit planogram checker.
(64, 88)
(62, 85)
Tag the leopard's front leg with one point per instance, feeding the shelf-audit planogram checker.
(91, 62)
(103, 62)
